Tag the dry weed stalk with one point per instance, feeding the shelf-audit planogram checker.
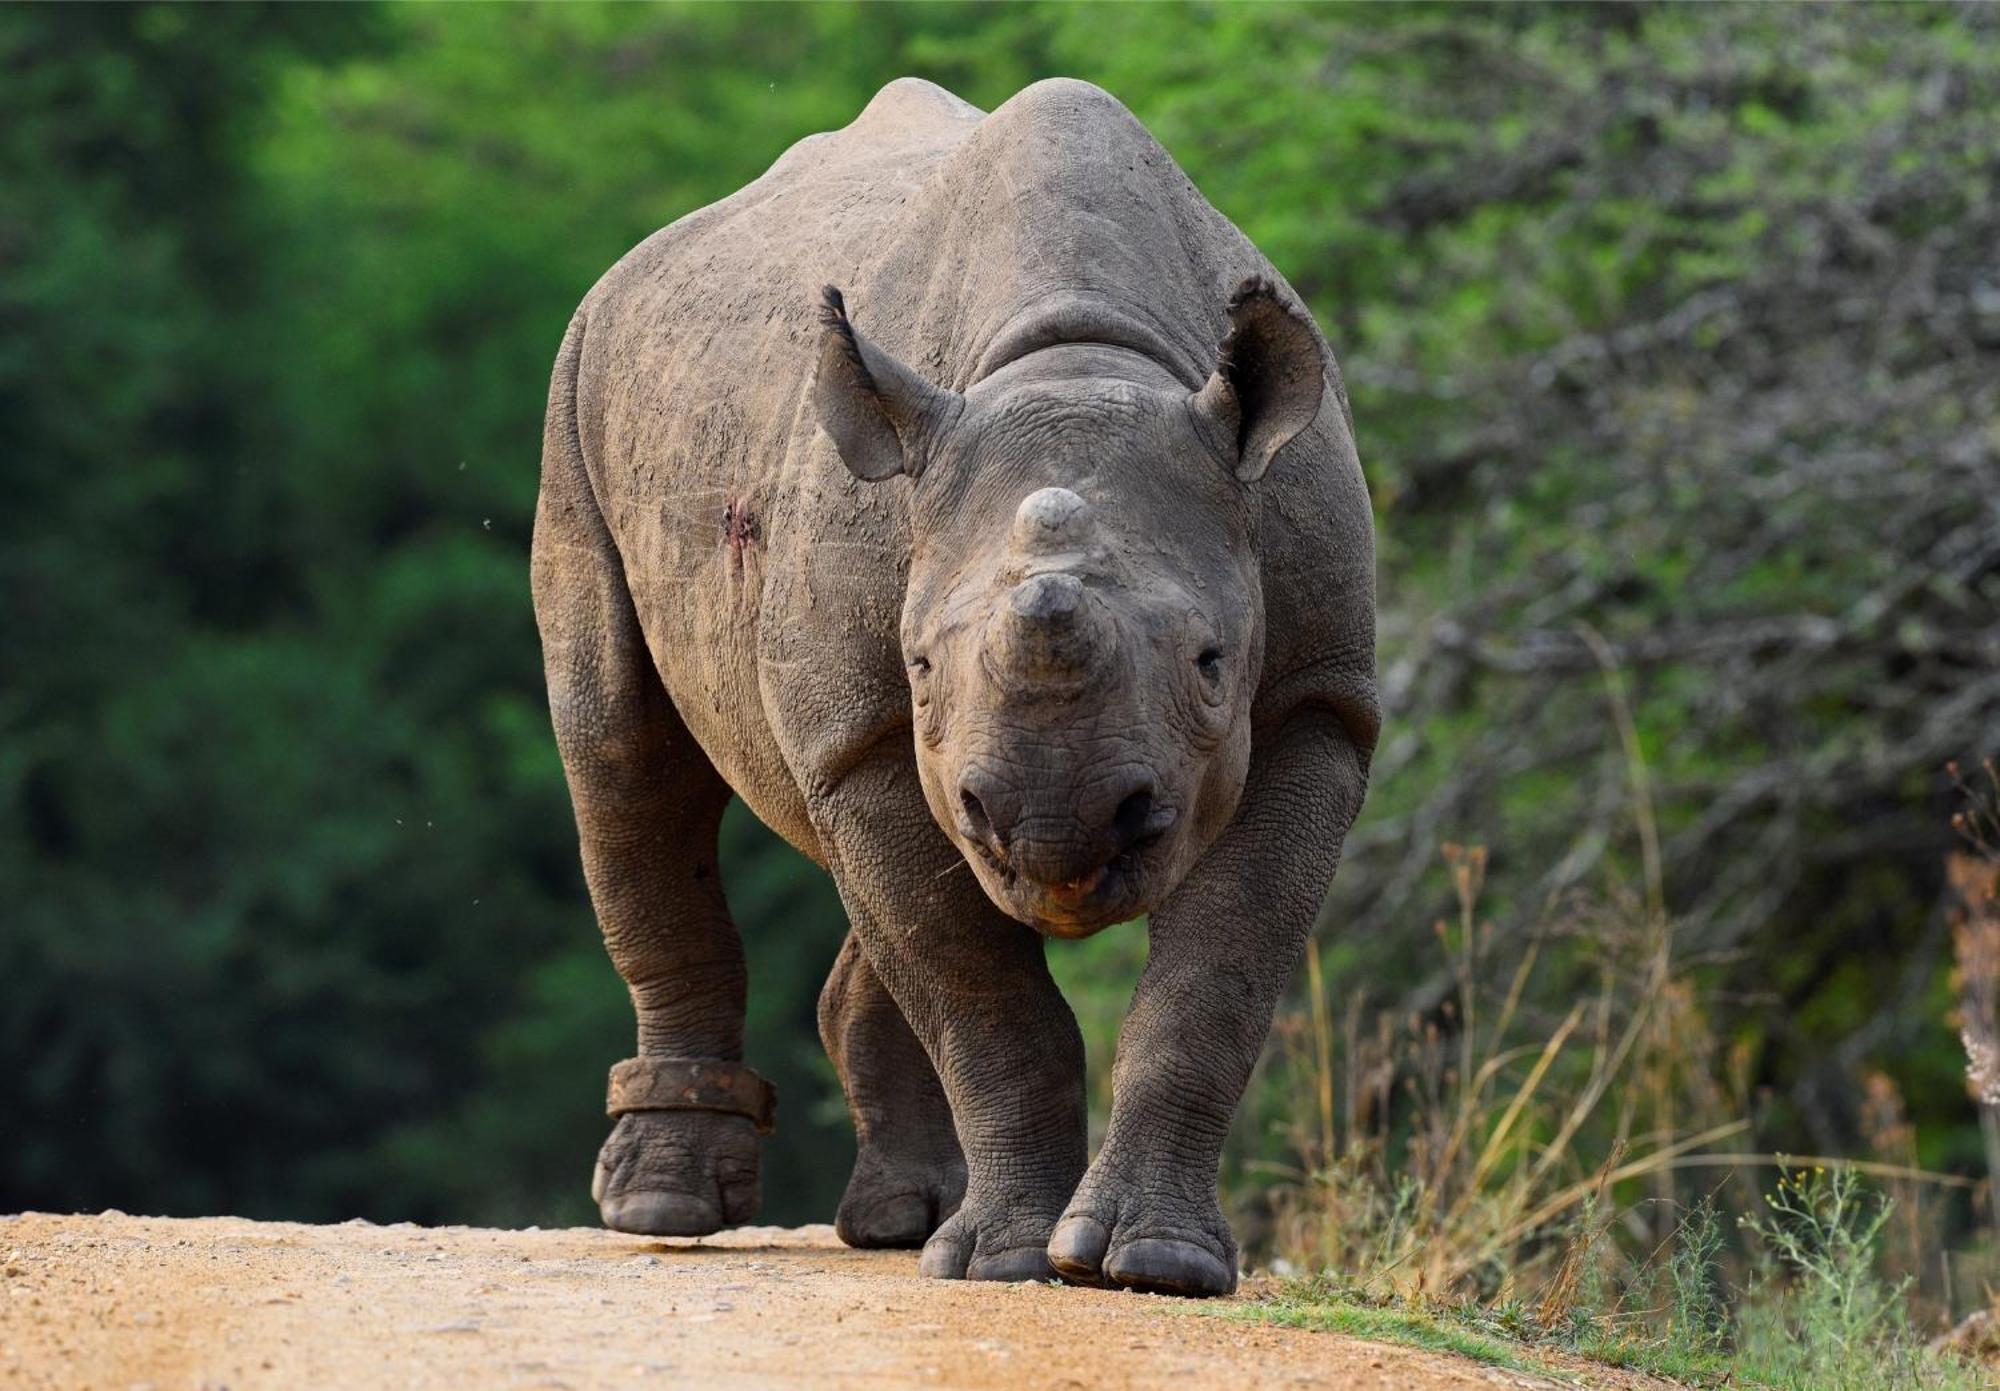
(1892, 1138)
(1973, 875)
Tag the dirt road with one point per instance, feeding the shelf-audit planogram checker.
(119, 1302)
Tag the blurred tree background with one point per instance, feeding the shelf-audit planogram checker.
(1673, 337)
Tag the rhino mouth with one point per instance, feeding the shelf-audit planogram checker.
(1113, 892)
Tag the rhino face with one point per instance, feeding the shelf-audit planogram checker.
(1081, 696)
(1083, 624)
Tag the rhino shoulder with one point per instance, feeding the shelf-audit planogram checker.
(1317, 559)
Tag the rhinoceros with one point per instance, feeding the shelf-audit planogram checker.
(1024, 582)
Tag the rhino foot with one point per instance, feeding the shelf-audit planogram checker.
(896, 1201)
(677, 1173)
(988, 1243)
(1138, 1237)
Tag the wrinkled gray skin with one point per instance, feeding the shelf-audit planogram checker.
(1009, 596)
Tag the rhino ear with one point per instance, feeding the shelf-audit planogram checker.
(884, 418)
(1268, 384)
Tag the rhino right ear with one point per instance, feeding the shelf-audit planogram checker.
(883, 418)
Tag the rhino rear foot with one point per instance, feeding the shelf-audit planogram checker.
(677, 1173)
(1000, 1247)
(897, 1201)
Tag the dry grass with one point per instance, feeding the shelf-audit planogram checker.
(1461, 1154)
(1521, 1169)
(1506, 1172)
(1465, 1152)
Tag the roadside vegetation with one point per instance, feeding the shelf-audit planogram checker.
(1481, 1185)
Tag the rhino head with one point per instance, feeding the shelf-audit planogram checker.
(1083, 623)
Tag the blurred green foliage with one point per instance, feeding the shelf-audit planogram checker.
(292, 920)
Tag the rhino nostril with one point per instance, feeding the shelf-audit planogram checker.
(978, 825)
(1133, 821)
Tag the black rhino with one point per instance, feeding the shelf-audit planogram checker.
(1026, 583)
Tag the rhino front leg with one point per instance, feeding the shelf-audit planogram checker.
(909, 1173)
(1221, 949)
(976, 992)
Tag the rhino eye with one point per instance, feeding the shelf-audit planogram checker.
(920, 666)
(1209, 664)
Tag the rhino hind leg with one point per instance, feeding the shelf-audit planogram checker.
(648, 809)
(909, 1173)
(647, 816)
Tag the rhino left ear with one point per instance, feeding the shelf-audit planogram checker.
(884, 418)
(1268, 384)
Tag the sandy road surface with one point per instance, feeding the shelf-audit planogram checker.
(120, 1302)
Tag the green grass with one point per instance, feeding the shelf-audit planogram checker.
(1449, 1330)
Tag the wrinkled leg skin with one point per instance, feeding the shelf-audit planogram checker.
(1146, 1215)
(975, 990)
(909, 1173)
(648, 806)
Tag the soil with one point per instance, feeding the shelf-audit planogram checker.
(118, 1302)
